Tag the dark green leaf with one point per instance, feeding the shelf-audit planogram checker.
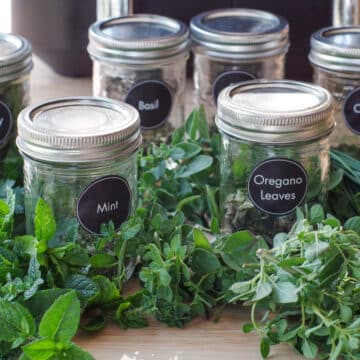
(265, 347)
(353, 224)
(203, 261)
(15, 322)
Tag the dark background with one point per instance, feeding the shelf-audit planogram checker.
(304, 17)
(58, 28)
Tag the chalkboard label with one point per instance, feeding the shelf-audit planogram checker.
(277, 186)
(104, 200)
(351, 111)
(153, 100)
(6, 122)
(229, 78)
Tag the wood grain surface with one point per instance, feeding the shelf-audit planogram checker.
(200, 340)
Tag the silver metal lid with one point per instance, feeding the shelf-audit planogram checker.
(336, 49)
(15, 56)
(81, 129)
(275, 112)
(240, 33)
(138, 39)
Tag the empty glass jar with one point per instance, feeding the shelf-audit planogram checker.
(335, 56)
(234, 45)
(80, 157)
(141, 59)
(275, 152)
(15, 67)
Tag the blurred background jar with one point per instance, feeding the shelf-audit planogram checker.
(141, 59)
(274, 153)
(335, 56)
(113, 8)
(15, 66)
(233, 45)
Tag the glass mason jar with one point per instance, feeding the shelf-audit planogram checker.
(275, 152)
(80, 157)
(335, 57)
(234, 45)
(141, 59)
(15, 67)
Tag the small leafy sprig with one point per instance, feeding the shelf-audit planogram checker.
(306, 289)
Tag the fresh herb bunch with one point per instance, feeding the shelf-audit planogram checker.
(14, 94)
(344, 197)
(307, 288)
(185, 265)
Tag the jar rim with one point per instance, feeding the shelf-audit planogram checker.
(240, 31)
(15, 56)
(250, 111)
(78, 129)
(336, 48)
(149, 37)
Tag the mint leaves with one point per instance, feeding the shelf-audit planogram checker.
(57, 327)
(308, 284)
(61, 320)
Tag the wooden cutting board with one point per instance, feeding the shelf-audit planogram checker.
(200, 340)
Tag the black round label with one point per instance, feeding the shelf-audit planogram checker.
(153, 100)
(5, 122)
(277, 186)
(229, 78)
(351, 111)
(104, 200)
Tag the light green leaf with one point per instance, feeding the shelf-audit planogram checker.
(263, 290)
(45, 226)
(309, 349)
(285, 293)
(196, 165)
(317, 214)
(61, 321)
(42, 349)
(201, 240)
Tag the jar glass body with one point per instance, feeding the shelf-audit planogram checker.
(115, 81)
(239, 158)
(340, 85)
(61, 184)
(14, 96)
(207, 69)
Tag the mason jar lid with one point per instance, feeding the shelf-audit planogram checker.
(80, 129)
(336, 48)
(15, 56)
(240, 33)
(138, 38)
(275, 112)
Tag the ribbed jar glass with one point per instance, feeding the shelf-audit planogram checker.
(234, 45)
(141, 59)
(80, 157)
(275, 153)
(335, 57)
(15, 67)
